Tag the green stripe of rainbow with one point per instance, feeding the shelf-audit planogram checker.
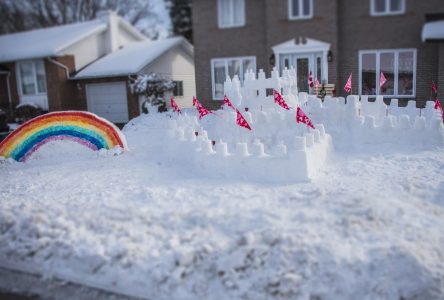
(83, 127)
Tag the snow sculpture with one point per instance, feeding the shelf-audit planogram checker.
(82, 127)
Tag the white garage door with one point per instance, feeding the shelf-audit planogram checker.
(108, 100)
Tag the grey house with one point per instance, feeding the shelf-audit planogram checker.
(331, 38)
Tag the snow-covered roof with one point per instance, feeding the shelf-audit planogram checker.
(433, 31)
(45, 42)
(131, 58)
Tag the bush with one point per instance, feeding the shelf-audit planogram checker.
(153, 86)
(25, 112)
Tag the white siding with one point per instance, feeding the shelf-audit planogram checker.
(87, 50)
(177, 65)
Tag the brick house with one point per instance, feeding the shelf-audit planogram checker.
(86, 66)
(331, 38)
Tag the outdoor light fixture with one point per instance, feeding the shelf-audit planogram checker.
(272, 59)
(329, 56)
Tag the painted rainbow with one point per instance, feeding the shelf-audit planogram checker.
(83, 127)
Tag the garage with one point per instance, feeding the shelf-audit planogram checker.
(108, 100)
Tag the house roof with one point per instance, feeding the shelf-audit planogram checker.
(45, 42)
(433, 31)
(131, 58)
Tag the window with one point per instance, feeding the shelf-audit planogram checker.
(300, 9)
(31, 77)
(231, 13)
(223, 67)
(178, 88)
(387, 7)
(398, 66)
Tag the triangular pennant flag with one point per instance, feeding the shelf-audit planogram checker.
(301, 117)
(240, 120)
(382, 80)
(438, 106)
(280, 100)
(228, 102)
(348, 85)
(202, 110)
(317, 83)
(174, 105)
(434, 88)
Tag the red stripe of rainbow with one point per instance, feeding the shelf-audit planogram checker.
(83, 127)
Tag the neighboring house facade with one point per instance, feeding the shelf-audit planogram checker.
(330, 38)
(87, 66)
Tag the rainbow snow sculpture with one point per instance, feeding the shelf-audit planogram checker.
(83, 127)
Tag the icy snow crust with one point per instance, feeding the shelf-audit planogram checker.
(369, 225)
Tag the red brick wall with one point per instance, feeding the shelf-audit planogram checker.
(4, 102)
(62, 92)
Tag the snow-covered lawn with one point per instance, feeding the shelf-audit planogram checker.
(369, 226)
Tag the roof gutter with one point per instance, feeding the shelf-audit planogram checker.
(61, 66)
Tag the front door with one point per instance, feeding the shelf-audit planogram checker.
(304, 63)
(302, 72)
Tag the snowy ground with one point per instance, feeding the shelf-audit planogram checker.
(370, 226)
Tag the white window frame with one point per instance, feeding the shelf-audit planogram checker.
(300, 16)
(220, 17)
(396, 52)
(225, 60)
(387, 11)
(34, 70)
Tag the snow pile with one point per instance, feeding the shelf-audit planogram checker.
(277, 149)
(367, 227)
(353, 123)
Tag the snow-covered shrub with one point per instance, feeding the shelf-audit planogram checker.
(152, 86)
(27, 111)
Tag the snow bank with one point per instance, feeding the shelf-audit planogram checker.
(353, 123)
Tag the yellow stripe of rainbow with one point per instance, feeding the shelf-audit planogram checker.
(83, 127)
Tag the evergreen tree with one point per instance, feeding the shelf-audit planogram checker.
(180, 14)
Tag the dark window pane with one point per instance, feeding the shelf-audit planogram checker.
(379, 6)
(405, 73)
(306, 7)
(219, 79)
(248, 64)
(368, 74)
(178, 88)
(395, 5)
(387, 66)
(41, 78)
(318, 69)
(27, 78)
(234, 68)
(295, 8)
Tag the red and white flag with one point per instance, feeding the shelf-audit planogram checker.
(280, 100)
(240, 120)
(348, 85)
(310, 80)
(317, 83)
(174, 105)
(382, 80)
(202, 110)
(228, 102)
(434, 88)
(438, 106)
(301, 117)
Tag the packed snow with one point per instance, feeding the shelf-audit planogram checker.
(369, 226)
(176, 217)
